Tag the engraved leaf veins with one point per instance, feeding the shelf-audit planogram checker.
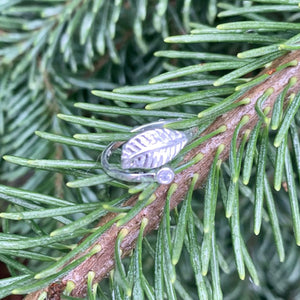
(152, 148)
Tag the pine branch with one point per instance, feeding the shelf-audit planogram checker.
(53, 49)
(103, 261)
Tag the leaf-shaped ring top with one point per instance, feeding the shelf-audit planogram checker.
(152, 148)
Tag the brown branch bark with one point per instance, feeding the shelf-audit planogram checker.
(102, 262)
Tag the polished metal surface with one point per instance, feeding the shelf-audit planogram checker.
(151, 148)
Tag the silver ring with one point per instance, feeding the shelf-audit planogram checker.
(151, 148)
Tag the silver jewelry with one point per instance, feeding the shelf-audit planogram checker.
(152, 148)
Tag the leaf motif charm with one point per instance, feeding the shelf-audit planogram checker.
(152, 148)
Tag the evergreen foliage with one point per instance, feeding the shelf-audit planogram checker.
(74, 77)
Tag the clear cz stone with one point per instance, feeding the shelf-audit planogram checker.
(165, 176)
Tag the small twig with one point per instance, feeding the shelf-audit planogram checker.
(102, 262)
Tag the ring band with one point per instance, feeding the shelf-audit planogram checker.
(151, 149)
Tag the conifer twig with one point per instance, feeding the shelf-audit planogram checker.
(102, 262)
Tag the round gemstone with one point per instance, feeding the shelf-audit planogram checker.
(165, 176)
